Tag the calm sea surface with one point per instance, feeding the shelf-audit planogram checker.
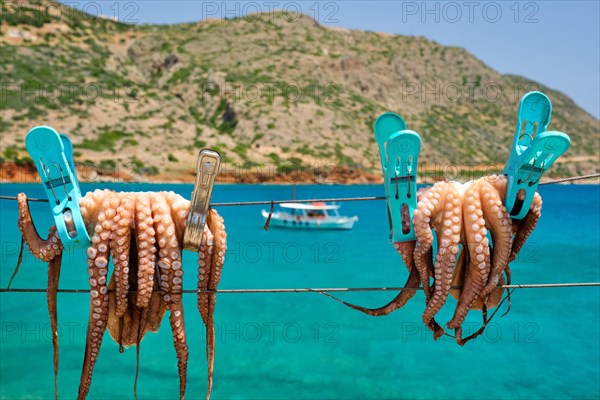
(304, 345)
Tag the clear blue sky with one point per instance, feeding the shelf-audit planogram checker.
(553, 42)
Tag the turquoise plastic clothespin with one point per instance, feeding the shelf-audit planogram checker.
(399, 150)
(533, 151)
(53, 157)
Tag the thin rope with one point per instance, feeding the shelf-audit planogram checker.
(323, 290)
(328, 200)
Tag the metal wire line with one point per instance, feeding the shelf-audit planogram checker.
(573, 178)
(329, 200)
(324, 290)
(248, 203)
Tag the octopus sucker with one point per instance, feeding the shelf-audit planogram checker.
(142, 233)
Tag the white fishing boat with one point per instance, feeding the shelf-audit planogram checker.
(310, 216)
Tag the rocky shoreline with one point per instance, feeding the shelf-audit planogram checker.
(26, 172)
(338, 175)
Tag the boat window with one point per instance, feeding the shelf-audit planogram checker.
(316, 213)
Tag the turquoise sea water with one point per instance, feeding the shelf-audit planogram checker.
(300, 346)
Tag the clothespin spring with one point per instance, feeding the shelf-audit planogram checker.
(533, 169)
(49, 181)
(62, 177)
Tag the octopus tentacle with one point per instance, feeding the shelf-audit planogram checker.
(179, 211)
(478, 260)
(180, 208)
(205, 255)
(217, 227)
(119, 248)
(406, 251)
(206, 299)
(98, 254)
(138, 346)
(44, 250)
(49, 250)
(413, 282)
(460, 270)
(51, 295)
(496, 295)
(449, 238)
(501, 228)
(526, 226)
(19, 261)
(171, 281)
(117, 326)
(144, 231)
(428, 208)
(494, 298)
(181, 348)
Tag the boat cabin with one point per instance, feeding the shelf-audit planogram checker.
(312, 211)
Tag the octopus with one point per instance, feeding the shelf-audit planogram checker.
(143, 234)
(476, 241)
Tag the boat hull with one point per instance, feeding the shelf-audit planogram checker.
(280, 221)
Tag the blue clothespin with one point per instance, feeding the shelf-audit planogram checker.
(53, 157)
(533, 151)
(399, 150)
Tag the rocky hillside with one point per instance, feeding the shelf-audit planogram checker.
(262, 91)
